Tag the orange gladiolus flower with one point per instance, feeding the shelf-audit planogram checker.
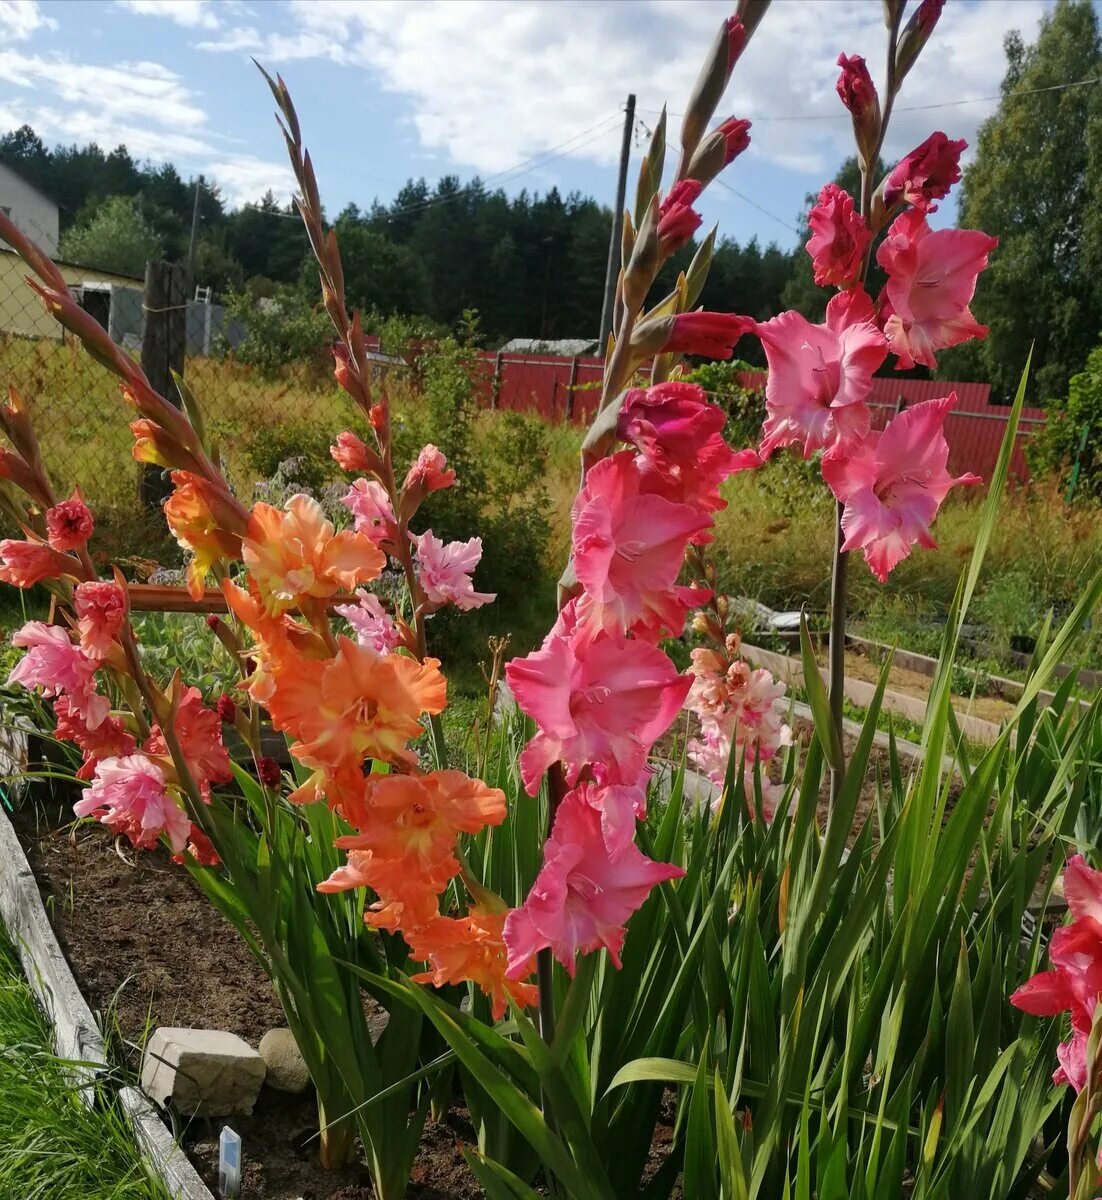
(294, 554)
(469, 948)
(353, 706)
(191, 515)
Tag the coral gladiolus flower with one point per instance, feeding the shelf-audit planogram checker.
(839, 238)
(430, 473)
(200, 848)
(295, 554)
(372, 623)
(628, 550)
(53, 664)
(893, 483)
(374, 517)
(444, 571)
(26, 563)
(596, 700)
(128, 795)
(582, 896)
(356, 705)
(199, 732)
(1074, 984)
(931, 281)
(679, 437)
(820, 375)
(472, 948)
(192, 513)
(352, 455)
(926, 174)
(100, 607)
(69, 524)
(109, 739)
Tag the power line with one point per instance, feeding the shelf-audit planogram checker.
(754, 204)
(845, 116)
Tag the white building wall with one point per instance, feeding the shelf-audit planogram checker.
(31, 212)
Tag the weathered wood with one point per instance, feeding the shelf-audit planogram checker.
(76, 1035)
(164, 341)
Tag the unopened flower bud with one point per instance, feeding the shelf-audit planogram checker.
(677, 219)
(226, 709)
(915, 35)
(711, 83)
(723, 607)
(719, 149)
(268, 772)
(707, 334)
(213, 621)
(749, 13)
(24, 477)
(352, 455)
(858, 94)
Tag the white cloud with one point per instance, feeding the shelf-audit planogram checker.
(20, 18)
(491, 83)
(192, 14)
(242, 178)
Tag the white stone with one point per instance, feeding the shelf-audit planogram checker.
(287, 1071)
(202, 1072)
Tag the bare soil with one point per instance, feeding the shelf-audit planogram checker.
(148, 949)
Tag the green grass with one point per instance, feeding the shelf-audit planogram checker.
(51, 1146)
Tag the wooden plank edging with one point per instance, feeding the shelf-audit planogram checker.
(76, 1035)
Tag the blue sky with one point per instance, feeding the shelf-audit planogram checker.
(527, 94)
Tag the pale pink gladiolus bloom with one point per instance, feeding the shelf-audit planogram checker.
(373, 624)
(679, 436)
(582, 896)
(100, 607)
(711, 752)
(839, 238)
(893, 483)
(128, 795)
(58, 667)
(628, 550)
(926, 174)
(931, 281)
(444, 571)
(820, 375)
(603, 699)
(369, 504)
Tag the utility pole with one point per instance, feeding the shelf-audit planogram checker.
(194, 235)
(613, 268)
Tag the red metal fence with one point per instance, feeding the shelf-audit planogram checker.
(561, 389)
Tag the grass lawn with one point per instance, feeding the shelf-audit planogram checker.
(51, 1146)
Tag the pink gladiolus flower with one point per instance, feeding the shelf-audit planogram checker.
(582, 896)
(893, 483)
(369, 504)
(352, 455)
(372, 623)
(128, 795)
(707, 334)
(23, 564)
(931, 281)
(53, 664)
(712, 751)
(819, 375)
(619, 807)
(1075, 983)
(596, 700)
(926, 174)
(199, 731)
(444, 571)
(677, 219)
(628, 550)
(69, 524)
(858, 93)
(839, 238)
(679, 437)
(430, 473)
(109, 739)
(100, 608)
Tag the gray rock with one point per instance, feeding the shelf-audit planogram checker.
(202, 1072)
(287, 1071)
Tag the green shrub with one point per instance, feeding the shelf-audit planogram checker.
(1055, 449)
(745, 407)
(301, 448)
(281, 331)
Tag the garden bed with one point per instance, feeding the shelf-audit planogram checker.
(148, 949)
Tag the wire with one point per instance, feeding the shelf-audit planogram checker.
(754, 204)
(845, 116)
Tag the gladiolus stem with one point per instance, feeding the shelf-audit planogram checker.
(545, 962)
(838, 641)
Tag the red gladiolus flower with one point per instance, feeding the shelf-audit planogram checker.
(69, 524)
(226, 709)
(677, 220)
(926, 174)
(708, 334)
(268, 771)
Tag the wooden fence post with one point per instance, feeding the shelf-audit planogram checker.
(164, 341)
(495, 387)
(570, 388)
